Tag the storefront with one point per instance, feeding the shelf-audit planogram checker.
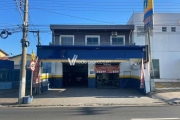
(90, 75)
(107, 75)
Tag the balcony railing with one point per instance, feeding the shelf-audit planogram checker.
(95, 44)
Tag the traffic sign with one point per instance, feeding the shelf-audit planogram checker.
(32, 65)
(33, 56)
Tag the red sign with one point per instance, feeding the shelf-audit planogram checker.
(142, 76)
(32, 65)
(36, 74)
(107, 69)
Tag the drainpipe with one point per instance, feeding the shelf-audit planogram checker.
(130, 35)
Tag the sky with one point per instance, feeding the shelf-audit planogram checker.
(42, 13)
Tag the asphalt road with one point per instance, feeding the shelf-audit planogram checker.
(91, 113)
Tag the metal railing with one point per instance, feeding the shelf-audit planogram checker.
(95, 44)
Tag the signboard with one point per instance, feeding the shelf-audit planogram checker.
(142, 76)
(107, 69)
(148, 23)
(32, 65)
(148, 14)
(33, 56)
(36, 74)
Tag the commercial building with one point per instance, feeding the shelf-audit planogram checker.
(165, 42)
(94, 56)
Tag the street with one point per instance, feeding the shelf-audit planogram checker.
(92, 113)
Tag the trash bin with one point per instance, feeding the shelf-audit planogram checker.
(27, 99)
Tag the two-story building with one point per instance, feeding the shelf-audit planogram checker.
(94, 56)
(165, 48)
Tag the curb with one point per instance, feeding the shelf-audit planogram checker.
(83, 105)
(163, 100)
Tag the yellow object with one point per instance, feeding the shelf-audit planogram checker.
(33, 56)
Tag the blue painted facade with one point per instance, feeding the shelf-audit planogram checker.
(91, 82)
(91, 52)
(55, 82)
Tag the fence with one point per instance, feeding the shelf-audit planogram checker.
(13, 76)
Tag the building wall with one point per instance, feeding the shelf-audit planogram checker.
(17, 61)
(2, 54)
(164, 45)
(79, 37)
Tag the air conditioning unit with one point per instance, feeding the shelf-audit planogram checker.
(114, 33)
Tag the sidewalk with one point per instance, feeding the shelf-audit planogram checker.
(86, 97)
(168, 92)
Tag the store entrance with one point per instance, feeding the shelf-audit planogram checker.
(107, 80)
(75, 76)
(107, 76)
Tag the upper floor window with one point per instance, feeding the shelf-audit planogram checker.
(164, 29)
(173, 29)
(56, 40)
(92, 40)
(118, 40)
(67, 39)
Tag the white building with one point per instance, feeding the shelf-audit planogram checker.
(165, 41)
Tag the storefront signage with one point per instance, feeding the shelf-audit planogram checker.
(36, 74)
(107, 69)
(148, 14)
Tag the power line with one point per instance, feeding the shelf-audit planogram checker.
(74, 16)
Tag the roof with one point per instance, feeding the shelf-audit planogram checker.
(3, 52)
(17, 56)
(91, 27)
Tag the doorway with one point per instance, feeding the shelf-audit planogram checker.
(75, 76)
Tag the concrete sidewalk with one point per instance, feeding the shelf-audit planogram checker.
(85, 97)
(168, 95)
(168, 92)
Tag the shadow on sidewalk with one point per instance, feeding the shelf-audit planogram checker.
(90, 92)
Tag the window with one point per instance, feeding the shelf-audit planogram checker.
(67, 40)
(164, 29)
(56, 40)
(155, 63)
(92, 40)
(173, 29)
(46, 67)
(118, 40)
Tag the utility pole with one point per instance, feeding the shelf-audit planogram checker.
(38, 34)
(24, 42)
(39, 63)
(38, 37)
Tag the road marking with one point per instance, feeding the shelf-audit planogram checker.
(155, 119)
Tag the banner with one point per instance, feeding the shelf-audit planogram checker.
(36, 74)
(107, 69)
(148, 14)
(148, 8)
(142, 76)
